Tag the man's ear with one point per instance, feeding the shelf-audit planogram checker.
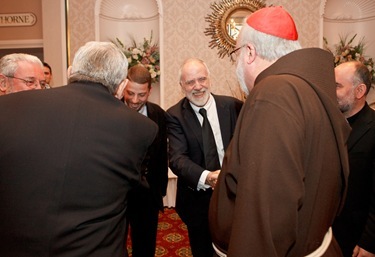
(250, 53)
(69, 71)
(3, 84)
(360, 91)
(120, 90)
(182, 88)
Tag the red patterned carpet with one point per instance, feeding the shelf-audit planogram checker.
(172, 238)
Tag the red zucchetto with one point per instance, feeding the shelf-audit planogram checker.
(275, 21)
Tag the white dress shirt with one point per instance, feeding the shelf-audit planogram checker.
(213, 118)
(143, 110)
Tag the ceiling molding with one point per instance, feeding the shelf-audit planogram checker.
(349, 10)
(129, 9)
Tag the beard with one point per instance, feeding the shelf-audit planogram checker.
(241, 78)
(346, 102)
(345, 105)
(199, 98)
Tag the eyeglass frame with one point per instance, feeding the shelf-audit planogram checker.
(42, 83)
(233, 59)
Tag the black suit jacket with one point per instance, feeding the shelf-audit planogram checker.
(68, 157)
(156, 163)
(186, 158)
(356, 223)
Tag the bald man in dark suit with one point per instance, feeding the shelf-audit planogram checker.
(186, 148)
(354, 228)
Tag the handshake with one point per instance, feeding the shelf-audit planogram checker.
(211, 178)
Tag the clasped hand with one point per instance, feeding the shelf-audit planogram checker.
(211, 178)
(360, 252)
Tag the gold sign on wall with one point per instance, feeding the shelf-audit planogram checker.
(17, 19)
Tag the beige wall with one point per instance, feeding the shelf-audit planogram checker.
(184, 24)
(183, 33)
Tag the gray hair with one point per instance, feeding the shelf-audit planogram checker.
(9, 63)
(361, 75)
(100, 62)
(191, 60)
(267, 47)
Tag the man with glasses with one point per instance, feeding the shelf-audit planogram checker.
(196, 167)
(20, 72)
(285, 172)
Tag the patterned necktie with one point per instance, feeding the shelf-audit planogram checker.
(209, 145)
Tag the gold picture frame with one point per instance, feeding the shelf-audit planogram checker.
(225, 22)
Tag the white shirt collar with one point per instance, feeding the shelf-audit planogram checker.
(143, 110)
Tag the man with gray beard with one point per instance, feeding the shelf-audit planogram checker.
(197, 168)
(284, 174)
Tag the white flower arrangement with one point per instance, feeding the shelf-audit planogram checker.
(146, 53)
(345, 51)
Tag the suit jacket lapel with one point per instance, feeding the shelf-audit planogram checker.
(192, 121)
(151, 112)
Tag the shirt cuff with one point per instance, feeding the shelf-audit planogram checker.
(202, 181)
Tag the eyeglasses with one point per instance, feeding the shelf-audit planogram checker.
(32, 82)
(233, 54)
(201, 80)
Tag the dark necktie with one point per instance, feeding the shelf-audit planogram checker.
(209, 145)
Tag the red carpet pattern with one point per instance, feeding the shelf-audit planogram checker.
(172, 236)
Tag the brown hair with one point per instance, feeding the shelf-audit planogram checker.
(139, 74)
